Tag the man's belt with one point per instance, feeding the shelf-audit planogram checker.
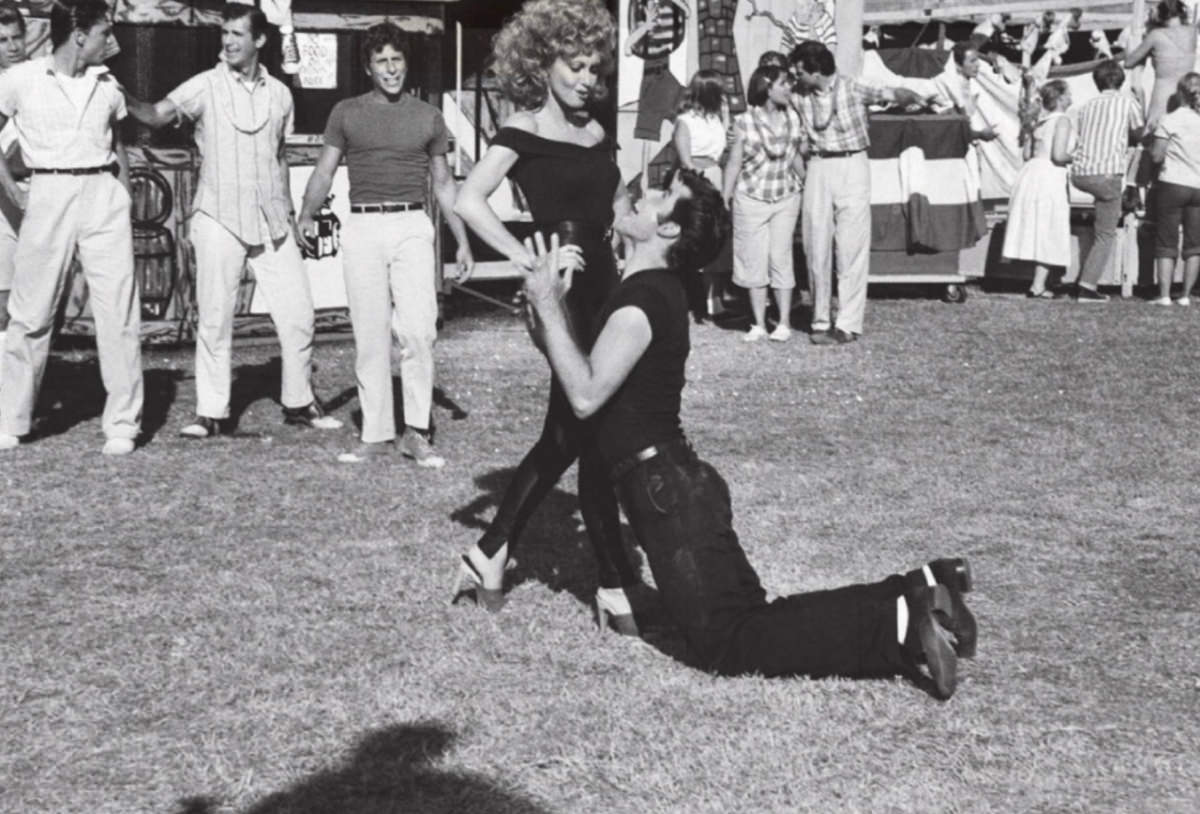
(836, 153)
(626, 465)
(112, 168)
(385, 208)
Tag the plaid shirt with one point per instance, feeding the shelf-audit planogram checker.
(240, 130)
(767, 173)
(842, 110)
(54, 131)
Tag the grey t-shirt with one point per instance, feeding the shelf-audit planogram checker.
(387, 146)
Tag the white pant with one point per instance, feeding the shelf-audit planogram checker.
(389, 267)
(65, 214)
(279, 271)
(837, 216)
(762, 241)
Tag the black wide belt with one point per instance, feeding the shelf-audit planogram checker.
(836, 153)
(112, 168)
(576, 231)
(364, 209)
(626, 465)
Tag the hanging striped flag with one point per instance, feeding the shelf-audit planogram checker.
(812, 23)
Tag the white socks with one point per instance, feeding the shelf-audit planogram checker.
(901, 619)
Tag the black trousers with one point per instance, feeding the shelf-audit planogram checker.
(565, 438)
(680, 511)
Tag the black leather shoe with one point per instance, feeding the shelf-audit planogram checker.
(834, 336)
(927, 641)
(955, 574)
(310, 415)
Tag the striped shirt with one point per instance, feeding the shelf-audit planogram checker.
(240, 131)
(665, 34)
(767, 172)
(1103, 124)
(62, 122)
(814, 24)
(835, 121)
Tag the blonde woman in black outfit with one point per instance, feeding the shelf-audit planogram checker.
(551, 60)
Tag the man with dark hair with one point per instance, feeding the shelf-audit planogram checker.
(836, 208)
(961, 89)
(1107, 124)
(243, 215)
(12, 52)
(64, 108)
(393, 144)
(630, 387)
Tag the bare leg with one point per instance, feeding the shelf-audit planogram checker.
(783, 299)
(1166, 271)
(758, 306)
(1040, 273)
(1191, 270)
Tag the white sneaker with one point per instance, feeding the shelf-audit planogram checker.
(1184, 301)
(1161, 301)
(118, 446)
(782, 333)
(416, 446)
(9, 441)
(755, 333)
(327, 422)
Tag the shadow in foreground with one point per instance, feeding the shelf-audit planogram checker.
(389, 772)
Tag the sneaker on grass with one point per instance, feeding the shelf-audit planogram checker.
(413, 444)
(118, 446)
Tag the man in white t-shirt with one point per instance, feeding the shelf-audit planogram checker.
(64, 108)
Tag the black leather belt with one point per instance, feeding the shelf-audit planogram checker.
(836, 153)
(363, 209)
(576, 231)
(626, 465)
(113, 168)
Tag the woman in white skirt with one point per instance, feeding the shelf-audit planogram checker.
(1039, 211)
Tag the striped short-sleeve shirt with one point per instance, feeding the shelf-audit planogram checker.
(1103, 124)
(240, 131)
(768, 154)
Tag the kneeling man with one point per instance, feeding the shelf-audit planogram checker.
(630, 386)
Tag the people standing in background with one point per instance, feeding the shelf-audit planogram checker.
(394, 145)
(762, 184)
(243, 215)
(65, 108)
(657, 30)
(700, 137)
(1176, 146)
(960, 86)
(1107, 124)
(1039, 209)
(12, 52)
(837, 190)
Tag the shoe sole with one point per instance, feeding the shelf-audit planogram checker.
(940, 657)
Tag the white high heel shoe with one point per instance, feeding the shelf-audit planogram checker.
(474, 573)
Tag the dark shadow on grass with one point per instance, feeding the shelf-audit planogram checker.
(73, 393)
(255, 382)
(390, 771)
(553, 549)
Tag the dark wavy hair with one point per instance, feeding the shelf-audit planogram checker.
(74, 15)
(1166, 9)
(11, 15)
(380, 35)
(703, 223)
(813, 57)
(1108, 75)
(541, 32)
(259, 27)
(704, 93)
(760, 84)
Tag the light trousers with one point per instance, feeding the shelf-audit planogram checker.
(762, 241)
(279, 272)
(836, 216)
(389, 267)
(88, 214)
(1106, 190)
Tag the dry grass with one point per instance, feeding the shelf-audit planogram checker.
(245, 625)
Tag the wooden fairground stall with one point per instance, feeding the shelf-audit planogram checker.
(162, 43)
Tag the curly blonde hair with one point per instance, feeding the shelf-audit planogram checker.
(541, 32)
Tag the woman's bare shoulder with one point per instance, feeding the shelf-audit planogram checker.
(522, 120)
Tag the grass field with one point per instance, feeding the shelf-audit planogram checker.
(245, 625)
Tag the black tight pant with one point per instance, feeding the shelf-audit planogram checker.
(564, 438)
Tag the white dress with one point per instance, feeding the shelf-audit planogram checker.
(1039, 211)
